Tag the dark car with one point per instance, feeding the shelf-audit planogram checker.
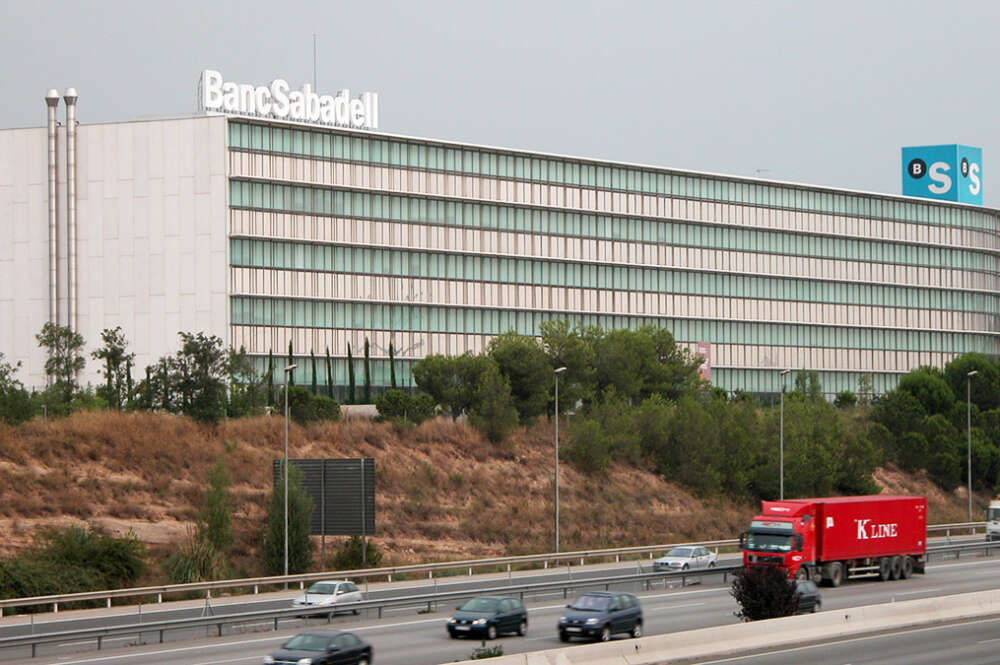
(810, 599)
(489, 616)
(600, 615)
(323, 649)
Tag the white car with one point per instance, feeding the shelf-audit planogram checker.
(686, 558)
(329, 593)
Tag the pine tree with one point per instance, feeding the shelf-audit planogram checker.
(291, 361)
(300, 546)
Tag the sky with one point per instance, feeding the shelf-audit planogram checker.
(822, 93)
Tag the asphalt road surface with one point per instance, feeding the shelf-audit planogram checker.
(968, 643)
(420, 639)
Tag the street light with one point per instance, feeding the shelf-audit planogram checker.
(781, 438)
(559, 371)
(968, 420)
(285, 464)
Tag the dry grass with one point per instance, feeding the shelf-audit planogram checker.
(443, 492)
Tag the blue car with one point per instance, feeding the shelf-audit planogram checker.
(599, 615)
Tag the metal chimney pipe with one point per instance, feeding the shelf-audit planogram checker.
(70, 98)
(52, 100)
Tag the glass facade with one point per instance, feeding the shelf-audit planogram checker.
(336, 237)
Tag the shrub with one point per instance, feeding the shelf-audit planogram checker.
(349, 556)
(764, 592)
(300, 545)
(483, 651)
(198, 560)
(305, 407)
(400, 406)
(589, 448)
(845, 399)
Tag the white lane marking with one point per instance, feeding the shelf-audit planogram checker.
(844, 641)
(910, 593)
(672, 607)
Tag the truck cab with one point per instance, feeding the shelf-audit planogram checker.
(993, 520)
(784, 535)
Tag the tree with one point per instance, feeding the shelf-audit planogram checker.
(15, 401)
(199, 371)
(493, 412)
(763, 592)
(808, 385)
(452, 380)
(985, 387)
(525, 366)
(300, 545)
(368, 375)
(845, 399)
(566, 347)
(270, 377)
(312, 359)
(291, 361)
(399, 406)
(589, 447)
(216, 512)
(866, 391)
(329, 374)
(392, 366)
(350, 376)
(63, 360)
(930, 388)
(116, 364)
(245, 388)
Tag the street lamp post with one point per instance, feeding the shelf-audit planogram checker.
(558, 371)
(284, 464)
(968, 421)
(781, 439)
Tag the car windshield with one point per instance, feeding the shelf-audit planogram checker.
(591, 603)
(326, 588)
(768, 542)
(480, 605)
(680, 552)
(993, 514)
(307, 643)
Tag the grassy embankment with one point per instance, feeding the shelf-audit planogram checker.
(443, 492)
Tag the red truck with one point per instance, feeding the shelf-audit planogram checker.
(830, 540)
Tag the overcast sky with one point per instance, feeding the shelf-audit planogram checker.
(815, 92)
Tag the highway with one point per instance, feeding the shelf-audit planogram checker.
(969, 643)
(420, 639)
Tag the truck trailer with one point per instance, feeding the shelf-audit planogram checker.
(832, 539)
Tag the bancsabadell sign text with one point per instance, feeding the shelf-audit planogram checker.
(280, 102)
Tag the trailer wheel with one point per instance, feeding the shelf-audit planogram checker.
(836, 571)
(907, 570)
(884, 569)
(896, 568)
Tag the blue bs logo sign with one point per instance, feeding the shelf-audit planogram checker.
(944, 172)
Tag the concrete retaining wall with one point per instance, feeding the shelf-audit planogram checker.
(723, 641)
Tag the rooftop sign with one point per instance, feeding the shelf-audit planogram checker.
(279, 102)
(945, 172)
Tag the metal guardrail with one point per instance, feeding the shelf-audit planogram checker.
(273, 617)
(256, 583)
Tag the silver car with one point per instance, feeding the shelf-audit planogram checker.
(686, 558)
(329, 593)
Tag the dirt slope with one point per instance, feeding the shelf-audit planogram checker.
(442, 491)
